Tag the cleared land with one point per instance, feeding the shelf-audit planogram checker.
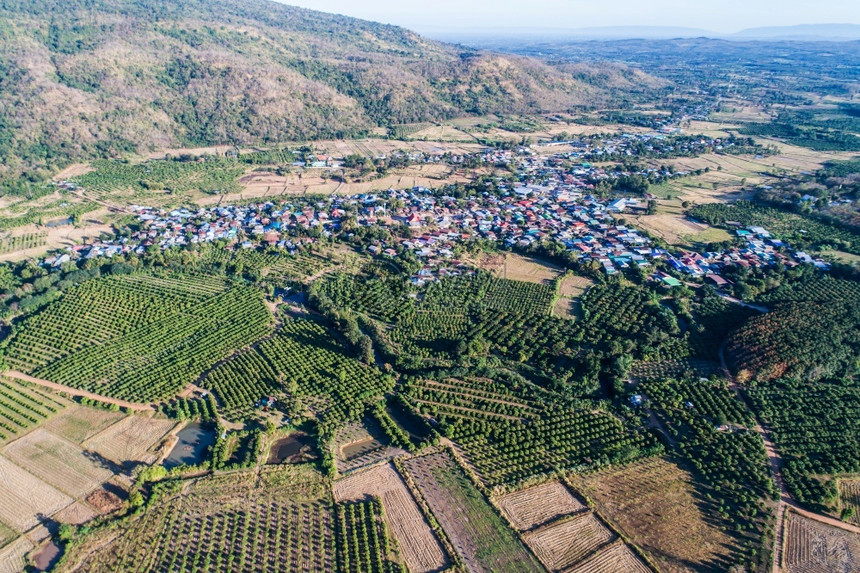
(571, 288)
(654, 503)
(130, 439)
(519, 268)
(357, 446)
(79, 423)
(26, 497)
(62, 464)
(562, 545)
(12, 557)
(537, 505)
(419, 547)
(815, 547)
(616, 558)
(478, 534)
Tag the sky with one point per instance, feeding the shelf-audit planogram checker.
(722, 16)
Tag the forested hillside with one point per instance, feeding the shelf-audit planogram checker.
(84, 78)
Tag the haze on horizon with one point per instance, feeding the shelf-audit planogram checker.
(720, 16)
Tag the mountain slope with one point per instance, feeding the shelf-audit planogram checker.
(83, 78)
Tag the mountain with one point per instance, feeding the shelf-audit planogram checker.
(86, 78)
(468, 36)
(804, 32)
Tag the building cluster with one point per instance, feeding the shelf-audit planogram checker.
(551, 201)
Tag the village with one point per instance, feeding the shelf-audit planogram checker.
(552, 198)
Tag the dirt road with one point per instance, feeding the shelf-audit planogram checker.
(81, 393)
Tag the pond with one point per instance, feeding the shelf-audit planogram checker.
(46, 557)
(293, 449)
(60, 222)
(194, 442)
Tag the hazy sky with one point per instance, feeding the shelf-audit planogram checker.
(714, 15)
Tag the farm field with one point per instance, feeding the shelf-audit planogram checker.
(421, 550)
(13, 556)
(479, 535)
(849, 498)
(815, 547)
(24, 406)
(537, 505)
(59, 463)
(656, 504)
(563, 544)
(26, 497)
(616, 558)
(130, 440)
(518, 267)
(79, 423)
(147, 338)
(282, 519)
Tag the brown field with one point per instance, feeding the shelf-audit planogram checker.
(75, 514)
(79, 423)
(25, 497)
(62, 464)
(564, 544)
(442, 133)
(849, 496)
(654, 503)
(130, 439)
(534, 506)
(419, 547)
(616, 558)
(571, 288)
(519, 268)
(670, 228)
(13, 556)
(478, 534)
(815, 547)
(104, 501)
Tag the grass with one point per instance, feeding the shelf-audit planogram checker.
(656, 503)
(500, 549)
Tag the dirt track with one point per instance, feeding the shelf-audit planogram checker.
(76, 392)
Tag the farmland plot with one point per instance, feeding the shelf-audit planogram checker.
(22, 407)
(130, 439)
(616, 558)
(278, 520)
(814, 547)
(421, 551)
(25, 497)
(79, 423)
(849, 497)
(537, 505)
(654, 503)
(565, 543)
(60, 463)
(478, 534)
(12, 557)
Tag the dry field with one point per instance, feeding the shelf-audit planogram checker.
(670, 228)
(25, 497)
(132, 439)
(815, 547)
(534, 506)
(571, 288)
(616, 558)
(849, 496)
(519, 268)
(442, 133)
(12, 557)
(419, 547)
(480, 536)
(77, 513)
(79, 423)
(59, 463)
(565, 543)
(654, 503)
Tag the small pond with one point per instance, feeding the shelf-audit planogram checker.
(46, 557)
(293, 449)
(192, 447)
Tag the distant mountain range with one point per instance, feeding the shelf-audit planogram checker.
(89, 78)
(806, 32)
